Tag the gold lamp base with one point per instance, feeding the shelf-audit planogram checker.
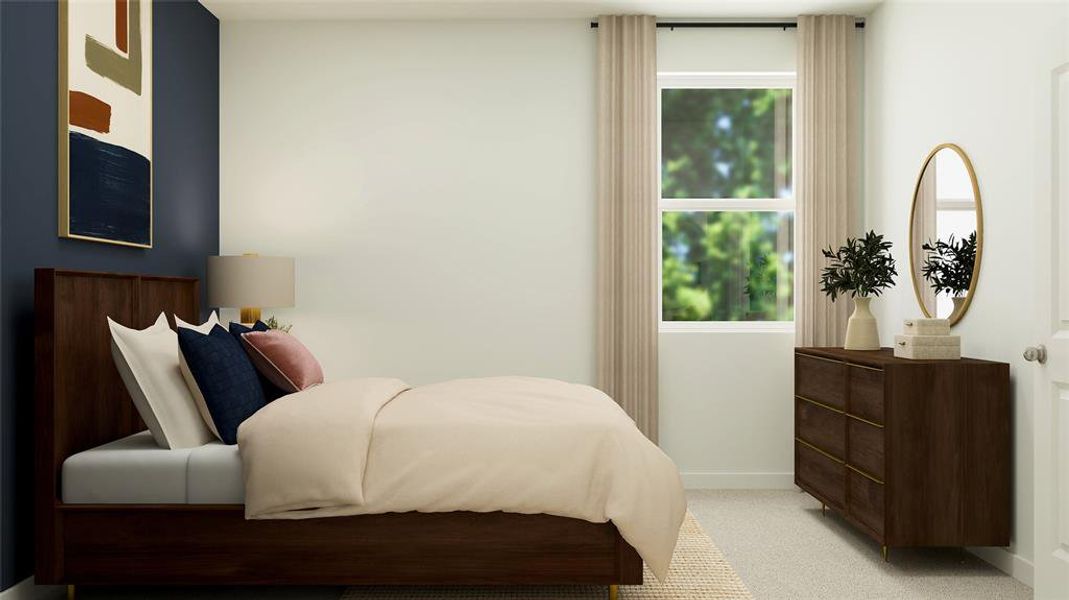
(249, 314)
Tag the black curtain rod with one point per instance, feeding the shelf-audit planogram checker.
(729, 24)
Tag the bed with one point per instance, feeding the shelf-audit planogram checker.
(96, 529)
(135, 470)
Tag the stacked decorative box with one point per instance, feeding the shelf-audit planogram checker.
(927, 339)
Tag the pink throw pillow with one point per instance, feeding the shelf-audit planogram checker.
(283, 360)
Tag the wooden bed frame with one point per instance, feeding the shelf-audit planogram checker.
(81, 403)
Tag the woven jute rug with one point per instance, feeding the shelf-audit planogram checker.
(698, 572)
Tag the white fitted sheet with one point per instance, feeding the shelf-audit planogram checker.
(134, 470)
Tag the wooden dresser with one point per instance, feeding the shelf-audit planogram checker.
(912, 452)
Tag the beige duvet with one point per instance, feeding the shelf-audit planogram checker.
(513, 444)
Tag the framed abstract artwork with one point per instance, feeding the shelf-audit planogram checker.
(105, 121)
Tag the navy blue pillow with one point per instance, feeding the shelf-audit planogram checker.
(271, 391)
(236, 329)
(227, 380)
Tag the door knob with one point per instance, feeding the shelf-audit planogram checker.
(1036, 354)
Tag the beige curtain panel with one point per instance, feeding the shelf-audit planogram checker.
(827, 168)
(627, 216)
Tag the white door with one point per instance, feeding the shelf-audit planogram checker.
(1052, 376)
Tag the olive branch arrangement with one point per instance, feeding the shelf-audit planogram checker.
(948, 265)
(863, 267)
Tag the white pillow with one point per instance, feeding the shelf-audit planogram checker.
(205, 327)
(191, 383)
(147, 360)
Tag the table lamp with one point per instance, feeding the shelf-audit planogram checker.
(250, 282)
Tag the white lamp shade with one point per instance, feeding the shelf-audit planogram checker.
(250, 281)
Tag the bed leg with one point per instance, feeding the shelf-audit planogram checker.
(614, 590)
(71, 592)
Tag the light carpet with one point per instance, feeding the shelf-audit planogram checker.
(785, 549)
(698, 572)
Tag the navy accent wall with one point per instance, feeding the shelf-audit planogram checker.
(186, 163)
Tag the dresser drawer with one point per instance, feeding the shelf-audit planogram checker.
(820, 475)
(821, 426)
(820, 379)
(866, 394)
(866, 501)
(866, 448)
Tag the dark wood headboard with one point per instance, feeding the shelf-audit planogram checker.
(81, 401)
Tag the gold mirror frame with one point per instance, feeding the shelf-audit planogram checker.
(955, 317)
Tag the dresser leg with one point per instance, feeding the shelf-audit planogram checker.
(71, 592)
(614, 591)
(823, 509)
(886, 554)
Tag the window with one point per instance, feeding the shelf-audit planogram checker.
(727, 201)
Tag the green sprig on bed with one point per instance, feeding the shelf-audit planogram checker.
(273, 323)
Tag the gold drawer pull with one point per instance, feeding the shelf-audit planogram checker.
(818, 450)
(820, 404)
(857, 418)
(823, 358)
(844, 362)
(864, 367)
(863, 474)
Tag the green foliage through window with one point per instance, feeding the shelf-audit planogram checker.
(726, 143)
(726, 265)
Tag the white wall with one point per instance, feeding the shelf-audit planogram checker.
(977, 74)
(727, 413)
(726, 50)
(434, 181)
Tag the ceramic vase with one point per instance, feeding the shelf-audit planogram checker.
(861, 330)
(959, 303)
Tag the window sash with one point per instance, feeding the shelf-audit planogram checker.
(727, 326)
(741, 205)
(727, 204)
(726, 80)
(682, 80)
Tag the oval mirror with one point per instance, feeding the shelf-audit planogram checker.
(946, 233)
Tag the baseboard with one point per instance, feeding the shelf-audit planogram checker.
(726, 480)
(1009, 563)
(27, 590)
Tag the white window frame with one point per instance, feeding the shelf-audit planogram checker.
(764, 80)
